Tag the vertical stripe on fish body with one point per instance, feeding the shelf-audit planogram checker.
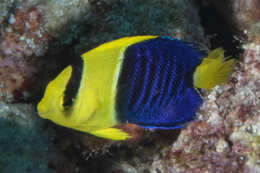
(145, 80)
(155, 88)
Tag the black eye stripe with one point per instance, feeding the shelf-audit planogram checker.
(73, 85)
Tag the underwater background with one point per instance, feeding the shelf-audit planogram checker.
(38, 38)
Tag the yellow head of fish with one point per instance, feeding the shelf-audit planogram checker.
(50, 107)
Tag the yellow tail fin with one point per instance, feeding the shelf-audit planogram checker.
(213, 70)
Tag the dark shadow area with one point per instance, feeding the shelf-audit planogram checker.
(219, 33)
(125, 153)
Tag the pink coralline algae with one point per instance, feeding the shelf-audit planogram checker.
(22, 39)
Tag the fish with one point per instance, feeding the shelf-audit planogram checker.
(150, 81)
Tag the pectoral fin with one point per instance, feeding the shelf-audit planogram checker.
(111, 133)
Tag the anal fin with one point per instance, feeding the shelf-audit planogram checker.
(111, 133)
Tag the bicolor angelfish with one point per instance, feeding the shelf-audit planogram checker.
(149, 81)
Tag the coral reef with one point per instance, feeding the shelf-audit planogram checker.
(21, 39)
(38, 38)
(109, 20)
